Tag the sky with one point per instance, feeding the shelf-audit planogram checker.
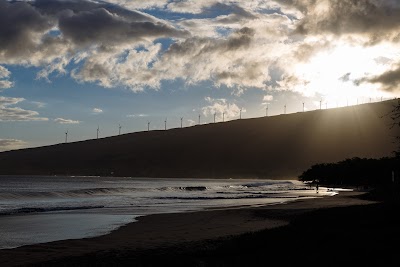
(77, 65)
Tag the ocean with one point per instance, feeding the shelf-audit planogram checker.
(42, 209)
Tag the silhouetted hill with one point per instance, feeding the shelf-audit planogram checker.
(271, 147)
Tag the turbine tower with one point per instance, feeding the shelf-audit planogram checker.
(303, 106)
(223, 116)
(66, 136)
(165, 124)
(98, 130)
(199, 119)
(148, 126)
(181, 122)
(320, 104)
(240, 114)
(284, 109)
(266, 111)
(215, 114)
(119, 129)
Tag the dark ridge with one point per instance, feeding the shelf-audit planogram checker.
(275, 147)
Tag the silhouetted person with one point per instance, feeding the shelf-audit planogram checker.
(317, 187)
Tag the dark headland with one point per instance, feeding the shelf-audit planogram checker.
(275, 147)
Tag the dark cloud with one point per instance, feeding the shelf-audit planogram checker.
(389, 80)
(101, 26)
(20, 28)
(378, 20)
(345, 78)
(241, 39)
(37, 32)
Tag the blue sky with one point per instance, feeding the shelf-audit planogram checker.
(78, 65)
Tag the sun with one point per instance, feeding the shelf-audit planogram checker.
(336, 75)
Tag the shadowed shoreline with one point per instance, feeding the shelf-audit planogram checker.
(338, 228)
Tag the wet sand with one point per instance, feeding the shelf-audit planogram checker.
(214, 237)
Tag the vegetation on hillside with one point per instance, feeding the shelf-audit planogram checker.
(378, 173)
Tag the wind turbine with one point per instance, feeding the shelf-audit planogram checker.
(199, 119)
(148, 126)
(181, 122)
(119, 129)
(320, 104)
(165, 124)
(98, 130)
(266, 111)
(284, 109)
(223, 116)
(240, 114)
(215, 114)
(303, 106)
(66, 136)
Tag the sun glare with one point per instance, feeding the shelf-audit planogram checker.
(336, 75)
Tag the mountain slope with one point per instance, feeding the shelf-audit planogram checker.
(270, 147)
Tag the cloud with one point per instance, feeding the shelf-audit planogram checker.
(39, 104)
(4, 78)
(389, 80)
(268, 98)
(220, 107)
(137, 115)
(113, 27)
(191, 122)
(97, 111)
(234, 44)
(345, 78)
(10, 144)
(374, 20)
(54, 34)
(8, 113)
(66, 121)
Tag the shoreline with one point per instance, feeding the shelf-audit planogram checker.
(159, 231)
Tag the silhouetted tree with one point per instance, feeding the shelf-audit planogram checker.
(395, 116)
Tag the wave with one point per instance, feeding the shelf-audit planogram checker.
(38, 210)
(270, 183)
(223, 197)
(67, 194)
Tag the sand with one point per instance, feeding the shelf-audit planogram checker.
(168, 233)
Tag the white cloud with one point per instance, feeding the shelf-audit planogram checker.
(136, 115)
(191, 122)
(66, 121)
(221, 108)
(268, 98)
(97, 111)
(10, 144)
(8, 113)
(39, 104)
(4, 78)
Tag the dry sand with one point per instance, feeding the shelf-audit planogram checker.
(163, 231)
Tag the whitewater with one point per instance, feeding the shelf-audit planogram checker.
(38, 209)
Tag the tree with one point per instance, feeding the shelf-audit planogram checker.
(395, 116)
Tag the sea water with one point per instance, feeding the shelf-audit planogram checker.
(40, 209)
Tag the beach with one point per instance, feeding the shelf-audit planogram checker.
(217, 236)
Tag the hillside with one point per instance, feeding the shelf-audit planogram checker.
(271, 147)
